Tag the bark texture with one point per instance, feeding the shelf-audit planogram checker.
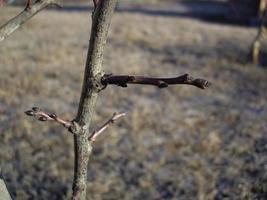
(92, 85)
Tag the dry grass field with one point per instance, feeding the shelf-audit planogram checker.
(175, 143)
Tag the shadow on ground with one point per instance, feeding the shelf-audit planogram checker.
(209, 11)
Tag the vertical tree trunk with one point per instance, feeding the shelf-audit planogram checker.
(255, 49)
(262, 7)
(101, 19)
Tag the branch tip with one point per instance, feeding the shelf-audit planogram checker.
(43, 119)
(36, 109)
(29, 112)
(45, 116)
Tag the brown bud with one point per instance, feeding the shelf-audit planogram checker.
(36, 109)
(53, 116)
(29, 113)
(43, 119)
(162, 84)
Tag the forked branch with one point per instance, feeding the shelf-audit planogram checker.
(123, 80)
(25, 15)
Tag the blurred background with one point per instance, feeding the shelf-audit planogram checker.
(175, 143)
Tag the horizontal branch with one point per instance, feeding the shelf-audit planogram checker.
(123, 80)
(100, 130)
(44, 116)
(25, 15)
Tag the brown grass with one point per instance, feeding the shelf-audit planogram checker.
(176, 143)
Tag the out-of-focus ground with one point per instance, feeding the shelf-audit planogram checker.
(176, 143)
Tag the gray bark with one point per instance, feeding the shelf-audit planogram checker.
(92, 85)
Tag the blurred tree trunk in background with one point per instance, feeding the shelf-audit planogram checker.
(262, 31)
(261, 8)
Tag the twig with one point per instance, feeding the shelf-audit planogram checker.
(123, 80)
(29, 4)
(44, 116)
(25, 15)
(101, 129)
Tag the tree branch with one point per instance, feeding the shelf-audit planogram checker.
(92, 85)
(25, 15)
(123, 80)
(100, 130)
(44, 116)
